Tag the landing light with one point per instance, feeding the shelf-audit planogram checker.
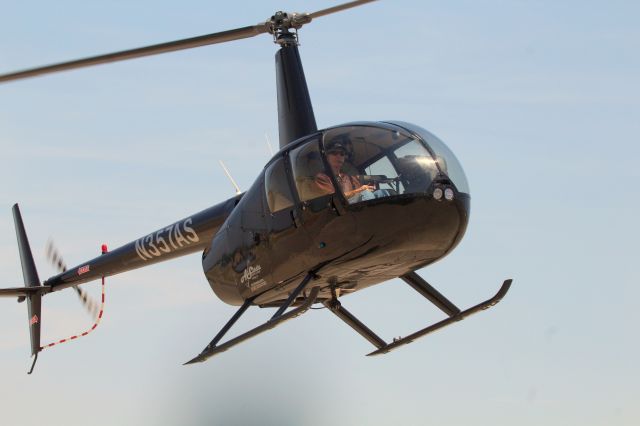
(448, 194)
(437, 193)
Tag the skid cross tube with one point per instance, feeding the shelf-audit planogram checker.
(292, 296)
(230, 323)
(278, 318)
(353, 322)
(424, 288)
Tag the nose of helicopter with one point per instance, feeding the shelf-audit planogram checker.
(415, 208)
(414, 230)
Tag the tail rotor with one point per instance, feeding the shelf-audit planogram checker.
(92, 307)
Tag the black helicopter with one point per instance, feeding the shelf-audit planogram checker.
(309, 229)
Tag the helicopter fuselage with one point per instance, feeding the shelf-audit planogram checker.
(347, 245)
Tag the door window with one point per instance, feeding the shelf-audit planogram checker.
(309, 174)
(279, 195)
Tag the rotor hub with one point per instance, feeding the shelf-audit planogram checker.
(281, 24)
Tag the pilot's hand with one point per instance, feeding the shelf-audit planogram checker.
(360, 189)
(324, 183)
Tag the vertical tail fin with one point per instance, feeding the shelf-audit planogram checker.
(31, 279)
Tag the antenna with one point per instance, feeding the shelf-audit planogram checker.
(233, 182)
(266, 135)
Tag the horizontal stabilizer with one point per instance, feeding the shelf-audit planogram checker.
(23, 291)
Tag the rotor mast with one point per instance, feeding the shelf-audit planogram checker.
(295, 112)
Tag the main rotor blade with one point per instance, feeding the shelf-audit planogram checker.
(220, 37)
(338, 8)
(188, 43)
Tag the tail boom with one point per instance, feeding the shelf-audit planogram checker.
(183, 237)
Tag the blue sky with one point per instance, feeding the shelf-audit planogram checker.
(539, 101)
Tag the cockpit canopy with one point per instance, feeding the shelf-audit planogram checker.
(365, 161)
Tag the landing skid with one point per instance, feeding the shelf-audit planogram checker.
(422, 287)
(413, 279)
(277, 319)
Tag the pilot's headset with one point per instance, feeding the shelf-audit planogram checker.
(341, 142)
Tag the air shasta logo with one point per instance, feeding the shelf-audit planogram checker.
(250, 273)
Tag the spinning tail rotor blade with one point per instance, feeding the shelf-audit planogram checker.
(56, 260)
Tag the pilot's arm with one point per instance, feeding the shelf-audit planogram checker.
(323, 182)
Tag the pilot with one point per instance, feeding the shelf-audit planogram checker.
(351, 187)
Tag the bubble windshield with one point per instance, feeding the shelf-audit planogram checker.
(367, 162)
(447, 161)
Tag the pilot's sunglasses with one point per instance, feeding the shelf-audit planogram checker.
(342, 153)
